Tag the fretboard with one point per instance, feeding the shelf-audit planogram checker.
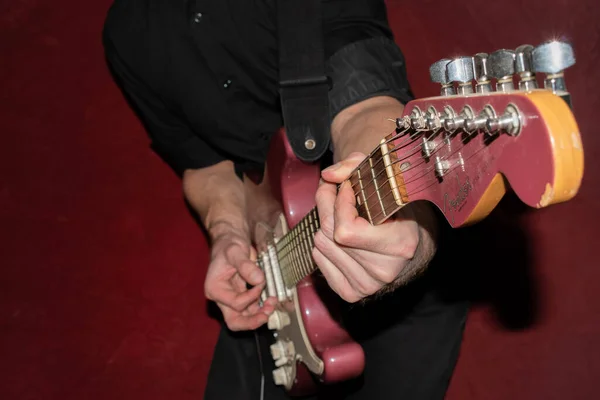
(294, 250)
(379, 192)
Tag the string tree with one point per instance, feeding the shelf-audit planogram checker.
(437, 74)
(524, 67)
(482, 76)
(553, 58)
(460, 71)
(501, 65)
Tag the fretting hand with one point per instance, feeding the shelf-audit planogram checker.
(356, 258)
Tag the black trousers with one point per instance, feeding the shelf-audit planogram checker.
(411, 340)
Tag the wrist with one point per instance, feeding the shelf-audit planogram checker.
(360, 127)
(217, 195)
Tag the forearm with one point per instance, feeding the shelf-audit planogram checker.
(217, 195)
(261, 204)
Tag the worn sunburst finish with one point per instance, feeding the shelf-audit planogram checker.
(543, 164)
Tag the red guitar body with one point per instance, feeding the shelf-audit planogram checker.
(295, 183)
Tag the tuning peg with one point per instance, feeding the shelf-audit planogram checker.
(552, 58)
(460, 70)
(501, 65)
(437, 74)
(524, 67)
(480, 68)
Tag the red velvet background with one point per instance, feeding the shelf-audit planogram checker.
(101, 266)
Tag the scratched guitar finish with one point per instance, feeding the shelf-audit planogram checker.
(460, 151)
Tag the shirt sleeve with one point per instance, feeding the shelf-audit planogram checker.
(363, 60)
(171, 138)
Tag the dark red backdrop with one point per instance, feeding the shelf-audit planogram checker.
(102, 267)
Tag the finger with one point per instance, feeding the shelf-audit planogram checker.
(238, 322)
(229, 297)
(239, 258)
(395, 238)
(341, 171)
(267, 308)
(355, 273)
(239, 284)
(335, 279)
(350, 230)
(251, 310)
(325, 200)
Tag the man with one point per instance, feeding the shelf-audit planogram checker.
(203, 77)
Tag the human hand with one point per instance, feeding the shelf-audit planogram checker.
(356, 258)
(232, 266)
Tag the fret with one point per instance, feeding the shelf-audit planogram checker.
(394, 173)
(295, 251)
(363, 194)
(307, 248)
(375, 184)
(297, 260)
(360, 206)
(294, 258)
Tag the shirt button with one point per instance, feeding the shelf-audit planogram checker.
(197, 17)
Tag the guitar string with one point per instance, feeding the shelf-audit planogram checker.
(405, 157)
(438, 146)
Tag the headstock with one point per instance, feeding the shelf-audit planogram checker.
(462, 150)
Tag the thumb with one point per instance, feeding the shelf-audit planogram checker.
(341, 171)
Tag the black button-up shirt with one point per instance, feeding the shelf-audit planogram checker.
(203, 75)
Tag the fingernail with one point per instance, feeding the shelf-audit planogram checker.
(332, 167)
(256, 277)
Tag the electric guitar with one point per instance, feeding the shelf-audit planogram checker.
(461, 150)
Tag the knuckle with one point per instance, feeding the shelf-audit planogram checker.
(233, 326)
(327, 226)
(343, 235)
(386, 275)
(237, 306)
(408, 247)
(320, 242)
(350, 296)
(208, 292)
(366, 289)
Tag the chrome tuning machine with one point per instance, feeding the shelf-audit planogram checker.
(552, 58)
(437, 74)
(501, 65)
(482, 76)
(524, 67)
(460, 71)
